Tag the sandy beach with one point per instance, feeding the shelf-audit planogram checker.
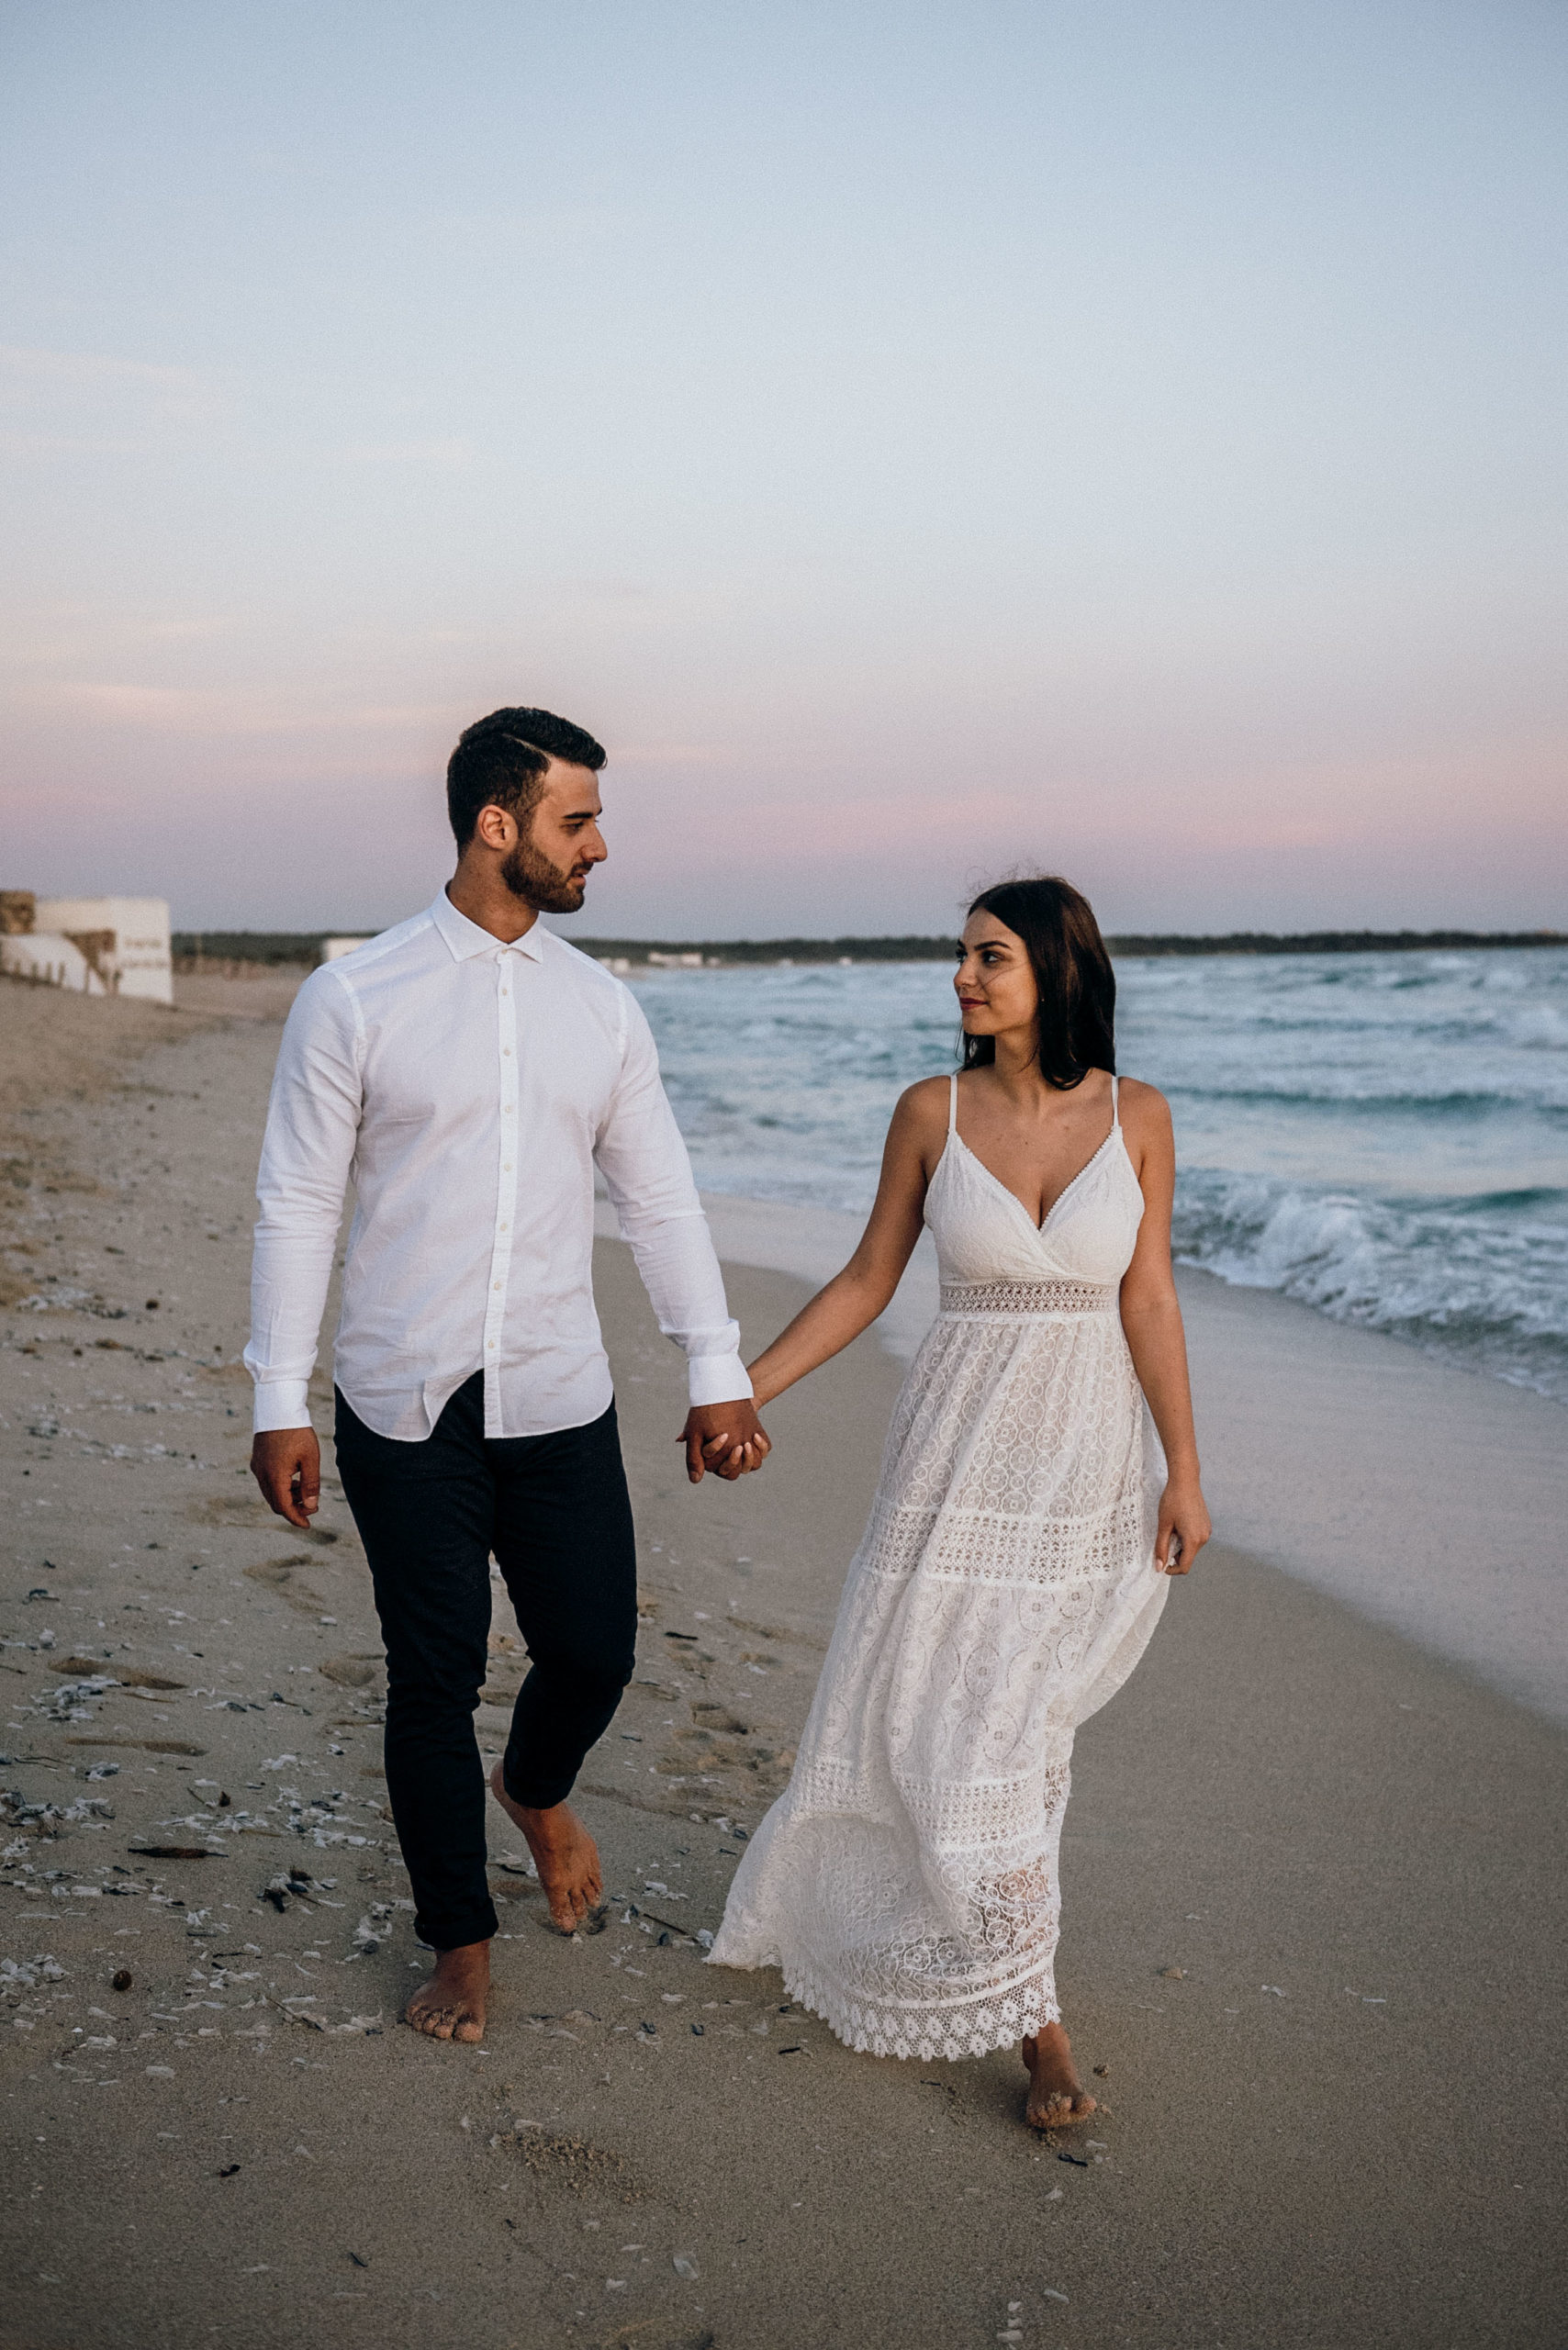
(1314, 1885)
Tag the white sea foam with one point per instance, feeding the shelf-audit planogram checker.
(1482, 1281)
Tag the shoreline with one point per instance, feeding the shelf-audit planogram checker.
(1430, 1498)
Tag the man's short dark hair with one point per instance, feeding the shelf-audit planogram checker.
(500, 762)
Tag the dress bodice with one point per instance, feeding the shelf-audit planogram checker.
(984, 1233)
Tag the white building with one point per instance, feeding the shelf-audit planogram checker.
(99, 946)
(51, 961)
(332, 949)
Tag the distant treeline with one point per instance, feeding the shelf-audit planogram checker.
(193, 947)
(1335, 942)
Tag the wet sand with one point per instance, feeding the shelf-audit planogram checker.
(1313, 1914)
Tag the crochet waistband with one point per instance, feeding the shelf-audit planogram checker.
(1019, 1298)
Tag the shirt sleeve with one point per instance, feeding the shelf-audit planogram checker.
(312, 1127)
(643, 1159)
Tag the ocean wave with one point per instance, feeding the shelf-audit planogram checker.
(1535, 1027)
(1483, 1280)
(1339, 1090)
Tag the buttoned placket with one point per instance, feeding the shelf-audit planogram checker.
(508, 966)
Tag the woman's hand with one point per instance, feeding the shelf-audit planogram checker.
(1184, 1525)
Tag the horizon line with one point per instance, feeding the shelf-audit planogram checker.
(280, 946)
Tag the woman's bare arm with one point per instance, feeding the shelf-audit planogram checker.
(853, 1299)
(1151, 1316)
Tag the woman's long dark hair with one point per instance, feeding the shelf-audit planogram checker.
(1073, 971)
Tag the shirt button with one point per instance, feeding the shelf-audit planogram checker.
(506, 1167)
(491, 1344)
(495, 1284)
(506, 1052)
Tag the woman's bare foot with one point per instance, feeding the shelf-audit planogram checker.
(450, 2006)
(564, 1852)
(1056, 2097)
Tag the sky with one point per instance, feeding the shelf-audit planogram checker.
(923, 443)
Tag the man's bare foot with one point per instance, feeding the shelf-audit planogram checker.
(1056, 2097)
(450, 2006)
(564, 1852)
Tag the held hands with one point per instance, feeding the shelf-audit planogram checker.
(1184, 1525)
(728, 1439)
(287, 1464)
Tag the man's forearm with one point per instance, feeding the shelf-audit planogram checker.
(290, 1274)
(312, 1126)
(681, 1272)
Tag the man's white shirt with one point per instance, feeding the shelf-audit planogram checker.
(468, 1087)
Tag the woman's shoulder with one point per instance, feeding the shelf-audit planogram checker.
(1133, 1090)
(923, 1106)
(1142, 1107)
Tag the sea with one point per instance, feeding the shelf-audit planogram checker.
(1383, 1136)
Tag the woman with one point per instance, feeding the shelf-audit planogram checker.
(1017, 1557)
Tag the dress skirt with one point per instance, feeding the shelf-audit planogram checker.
(907, 1882)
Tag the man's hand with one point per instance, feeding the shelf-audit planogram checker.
(728, 1439)
(287, 1464)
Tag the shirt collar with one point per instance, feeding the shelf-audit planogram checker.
(465, 939)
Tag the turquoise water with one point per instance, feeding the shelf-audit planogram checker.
(1383, 1136)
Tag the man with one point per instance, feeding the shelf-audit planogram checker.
(468, 1069)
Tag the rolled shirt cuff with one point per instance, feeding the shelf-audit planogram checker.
(281, 1404)
(712, 1379)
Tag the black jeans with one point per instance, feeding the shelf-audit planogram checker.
(556, 1512)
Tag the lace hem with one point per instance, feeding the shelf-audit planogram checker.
(962, 1298)
(993, 2020)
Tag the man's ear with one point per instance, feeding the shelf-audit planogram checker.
(496, 828)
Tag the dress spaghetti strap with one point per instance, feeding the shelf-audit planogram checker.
(1115, 1110)
(952, 1105)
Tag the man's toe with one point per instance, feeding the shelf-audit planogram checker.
(435, 2022)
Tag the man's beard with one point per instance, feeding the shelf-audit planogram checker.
(540, 884)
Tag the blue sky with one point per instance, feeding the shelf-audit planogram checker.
(922, 441)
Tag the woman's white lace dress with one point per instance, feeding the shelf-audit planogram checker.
(906, 1882)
